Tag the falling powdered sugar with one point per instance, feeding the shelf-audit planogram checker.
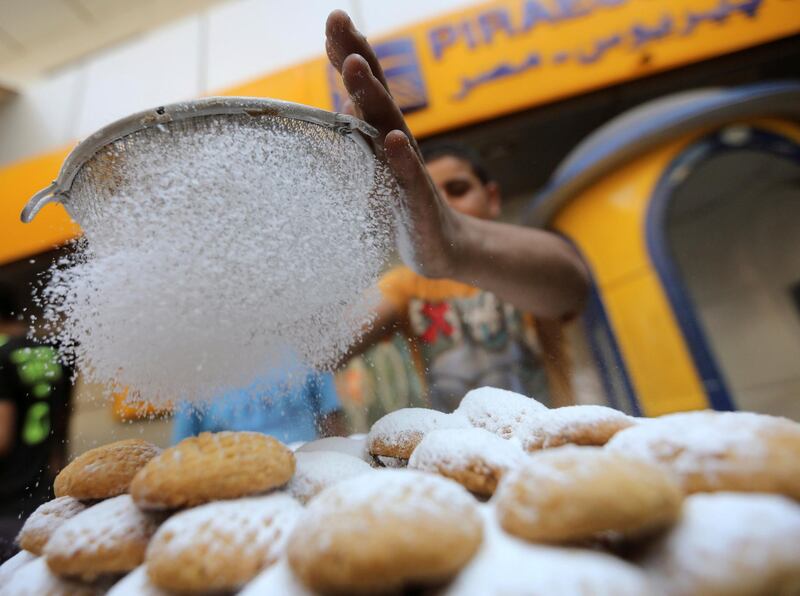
(217, 248)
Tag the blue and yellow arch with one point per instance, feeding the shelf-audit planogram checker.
(609, 197)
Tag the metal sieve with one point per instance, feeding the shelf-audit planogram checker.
(125, 133)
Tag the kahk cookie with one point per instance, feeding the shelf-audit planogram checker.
(136, 583)
(212, 466)
(578, 425)
(383, 531)
(570, 494)
(317, 470)
(36, 579)
(732, 544)
(220, 546)
(510, 567)
(473, 457)
(346, 445)
(499, 411)
(277, 579)
(720, 451)
(110, 537)
(105, 471)
(9, 567)
(398, 433)
(45, 520)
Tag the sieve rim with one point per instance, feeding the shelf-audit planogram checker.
(59, 189)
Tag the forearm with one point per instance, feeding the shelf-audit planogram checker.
(534, 270)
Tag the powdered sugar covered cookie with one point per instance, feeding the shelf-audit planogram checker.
(579, 425)
(136, 583)
(45, 520)
(720, 451)
(730, 543)
(212, 466)
(317, 470)
(507, 566)
(576, 493)
(10, 566)
(473, 457)
(399, 432)
(105, 471)
(379, 532)
(36, 579)
(277, 579)
(499, 411)
(345, 445)
(222, 545)
(110, 537)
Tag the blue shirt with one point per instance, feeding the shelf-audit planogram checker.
(288, 413)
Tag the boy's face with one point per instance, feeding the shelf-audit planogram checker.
(462, 189)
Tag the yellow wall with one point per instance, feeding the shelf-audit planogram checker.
(474, 64)
(607, 223)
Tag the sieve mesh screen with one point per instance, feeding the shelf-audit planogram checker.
(215, 247)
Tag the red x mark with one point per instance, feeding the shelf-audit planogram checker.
(435, 313)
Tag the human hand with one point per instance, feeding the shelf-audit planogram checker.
(428, 229)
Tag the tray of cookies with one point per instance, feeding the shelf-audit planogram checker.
(501, 497)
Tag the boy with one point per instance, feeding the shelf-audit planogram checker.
(467, 278)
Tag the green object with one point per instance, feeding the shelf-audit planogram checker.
(37, 424)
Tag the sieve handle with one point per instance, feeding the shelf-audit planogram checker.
(39, 200)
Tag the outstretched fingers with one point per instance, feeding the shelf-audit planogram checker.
(343, 39)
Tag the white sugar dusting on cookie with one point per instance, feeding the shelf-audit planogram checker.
(136, 583)
(12, 565)
(224, 526)
(397, 433)
(499, 411)
(317, 470)
(554, 427)
(704, 439)
(465, 448)
(506, 565)
(36, 579)
(730, 543)
(50, 516)
(101, 528)
(277, 579)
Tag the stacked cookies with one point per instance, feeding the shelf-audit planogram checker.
(503, 496)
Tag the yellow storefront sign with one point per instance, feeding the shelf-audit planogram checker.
(471, 65)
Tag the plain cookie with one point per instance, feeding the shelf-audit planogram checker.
(42, 523)
(578, 425)
(105, 471)
(383, 531)
(220, 546)
(720, 451)
(213, 466)
(473, 457)
(572, 494)
(398, 433)
(730, 544)
(110, 537)
(499, 411)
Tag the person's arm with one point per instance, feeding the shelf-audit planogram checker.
(8, 413)
(387, 319)
(534, 270)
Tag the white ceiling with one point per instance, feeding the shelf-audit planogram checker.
(37, 36)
